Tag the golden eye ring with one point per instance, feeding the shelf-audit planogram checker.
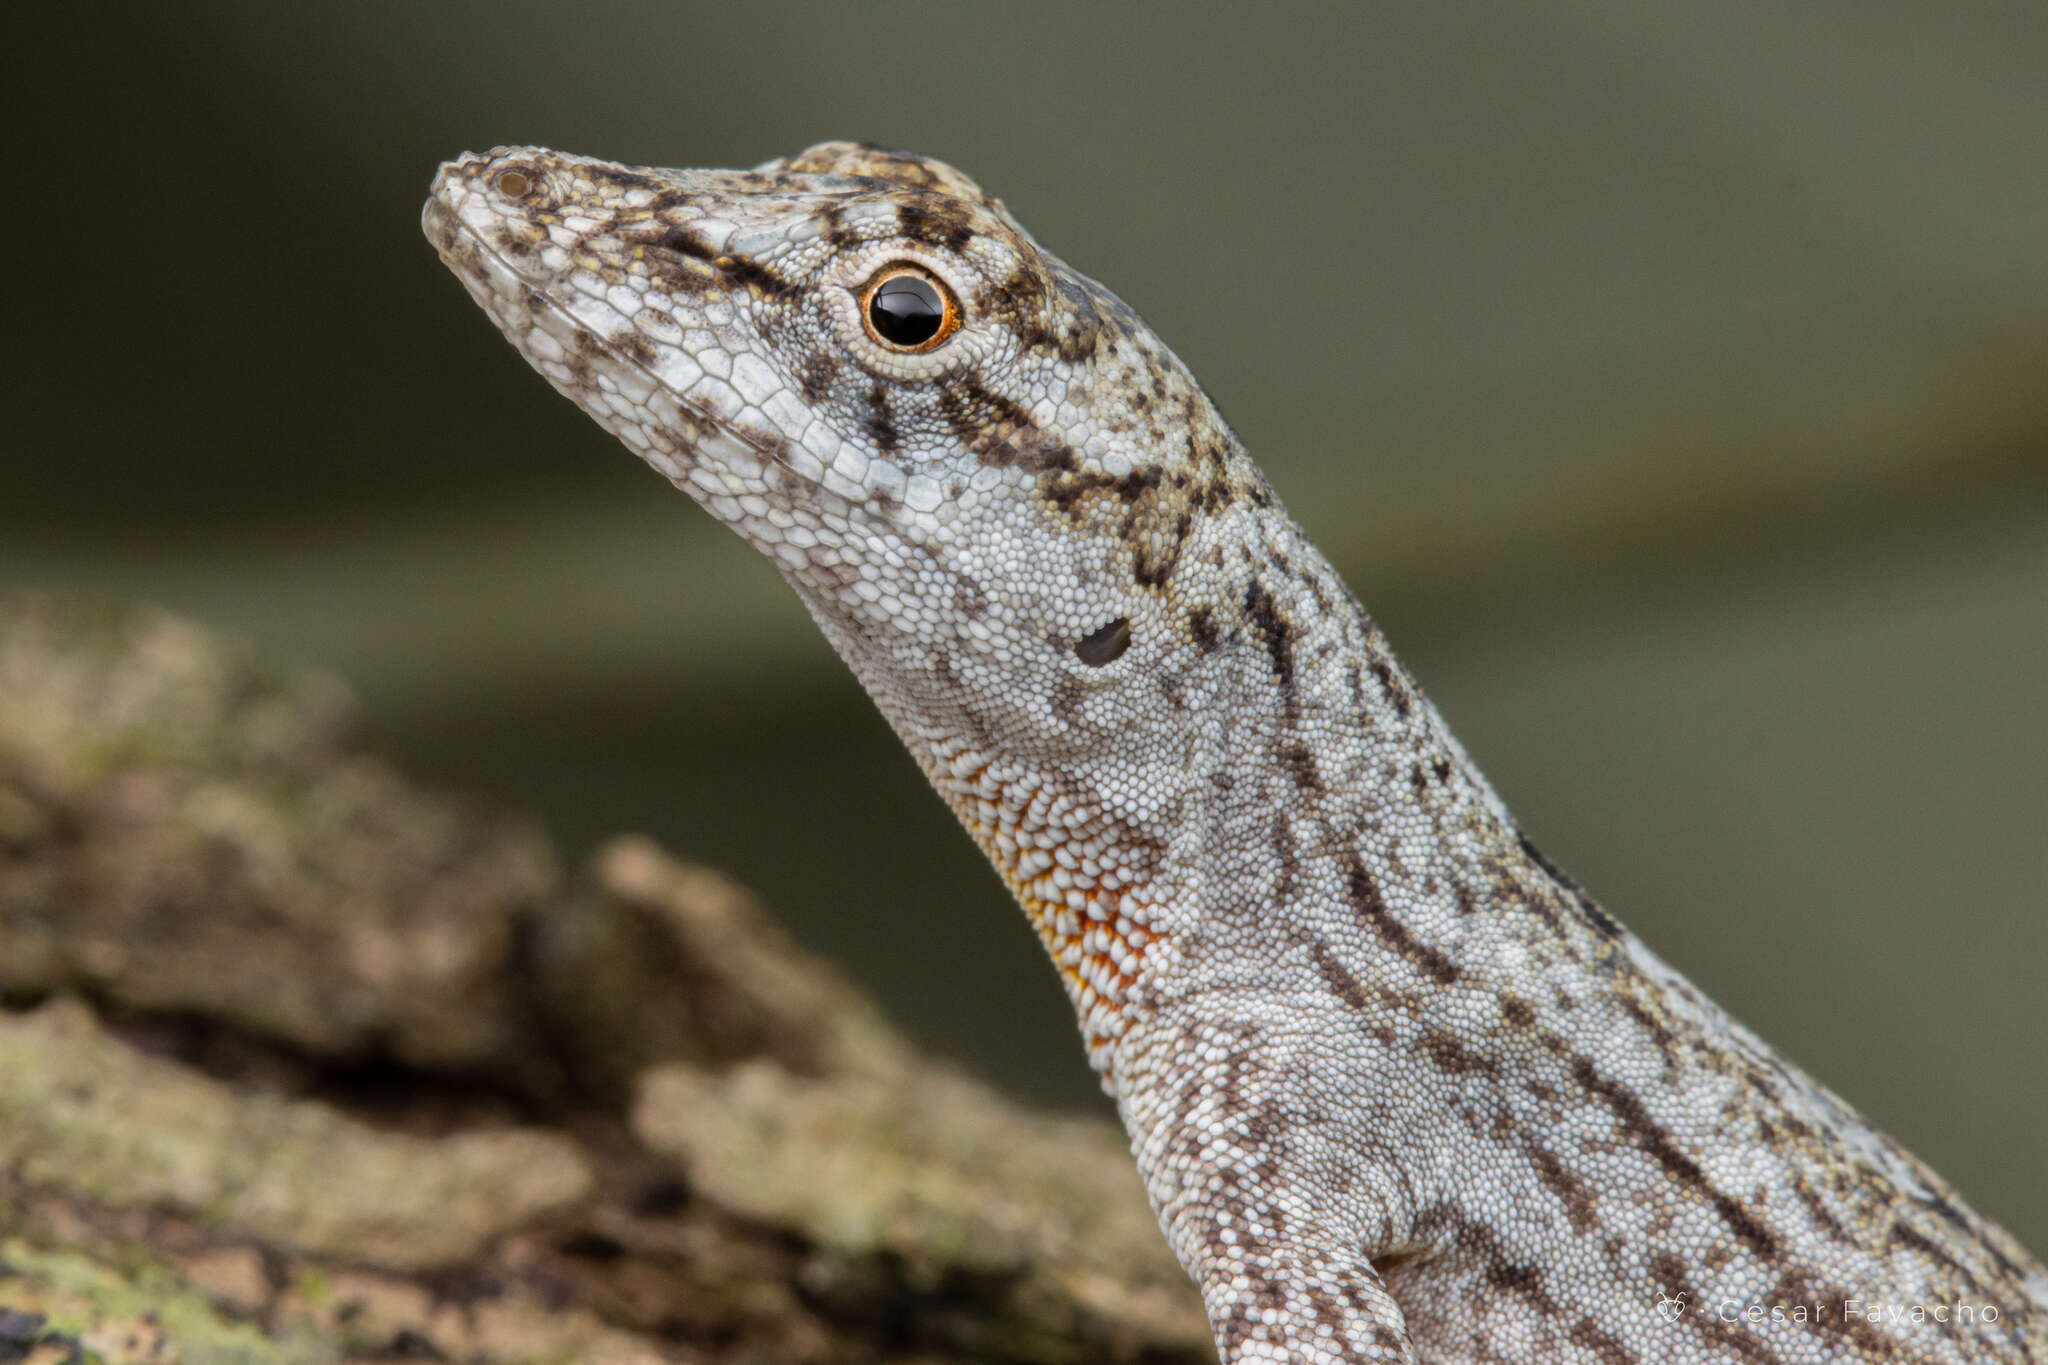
(908, 309)
(513, 183)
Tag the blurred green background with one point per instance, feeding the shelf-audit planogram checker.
(1671, 380)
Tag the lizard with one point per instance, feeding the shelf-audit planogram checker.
(1399, 1089)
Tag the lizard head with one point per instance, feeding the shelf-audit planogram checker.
(1005, 501)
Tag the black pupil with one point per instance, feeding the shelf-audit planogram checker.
(907, 310)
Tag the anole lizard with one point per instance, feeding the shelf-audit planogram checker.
(1398, 1088)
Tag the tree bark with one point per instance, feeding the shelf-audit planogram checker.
(302, 1063)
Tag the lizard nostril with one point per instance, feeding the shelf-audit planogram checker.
(1107, 645)
(513, 184)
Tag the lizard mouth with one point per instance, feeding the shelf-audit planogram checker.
(700, 451)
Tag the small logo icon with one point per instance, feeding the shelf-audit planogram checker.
(1672, 1306)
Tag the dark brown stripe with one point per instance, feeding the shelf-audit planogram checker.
(1367, 904)
(747, 271)
(1391, 686)
(1569, 1189)
(684, 242)
(1301, 766)
(1452, 1056)
(1646, 1133)
(1274, 630)
(1666, 1041)
(1338, 977)
(937, 222)
(880, 423)
(1602, 923)
(632, 180)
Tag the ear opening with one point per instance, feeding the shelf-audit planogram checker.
(1106, 645)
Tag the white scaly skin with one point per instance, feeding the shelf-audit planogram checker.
(1399, 1090)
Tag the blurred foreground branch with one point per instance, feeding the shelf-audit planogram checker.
(301, 1063)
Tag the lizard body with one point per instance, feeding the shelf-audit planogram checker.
(1398, 1088)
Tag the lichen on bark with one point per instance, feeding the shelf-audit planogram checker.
(300, 1062)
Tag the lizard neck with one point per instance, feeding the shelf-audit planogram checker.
(1298, 790)
(1337, 824)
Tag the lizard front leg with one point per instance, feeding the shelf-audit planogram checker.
(1285, 1305)
(1276, 1216)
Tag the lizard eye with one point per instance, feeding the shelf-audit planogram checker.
(906, 308)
